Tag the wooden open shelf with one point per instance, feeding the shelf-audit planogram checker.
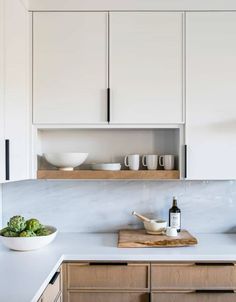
(123, 174)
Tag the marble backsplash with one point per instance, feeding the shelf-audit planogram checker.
(106, 206)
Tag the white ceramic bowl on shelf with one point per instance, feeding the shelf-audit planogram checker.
(66, 161)
(29, 243)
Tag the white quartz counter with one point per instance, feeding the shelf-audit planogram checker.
(25, 275)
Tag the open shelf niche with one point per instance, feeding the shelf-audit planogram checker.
(108, 145)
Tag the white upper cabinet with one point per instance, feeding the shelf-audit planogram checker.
(69, 67)
(211, 95)
(14, 92)
(146, 67)
(16, 88)
(2, 141)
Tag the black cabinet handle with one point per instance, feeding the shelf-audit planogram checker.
(108, 105)
(214, 263)
(214, 291)
(149, 297)
(7, 159)
(185, 161)
(54, 278)
(108, 263)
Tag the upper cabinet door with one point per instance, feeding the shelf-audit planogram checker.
(211, 95)
(2, 143)
(16, 90)
(69, 67)
(146, 67)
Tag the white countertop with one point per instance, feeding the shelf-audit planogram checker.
(25, 275)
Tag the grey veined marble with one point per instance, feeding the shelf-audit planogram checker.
(106, 206)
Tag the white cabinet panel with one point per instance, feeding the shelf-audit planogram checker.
(146, 67)
(2, 142)
(211, 95)
(16, 88)
(69, 67)
(14, 73)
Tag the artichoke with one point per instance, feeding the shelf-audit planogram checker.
(43, 232)
(27, 233)
(9, 233)
(16, 224)
(33, 225)
(2, 231)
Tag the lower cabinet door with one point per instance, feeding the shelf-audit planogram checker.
(193, 297)
(53, 290)
(107, 297)
(59, 299)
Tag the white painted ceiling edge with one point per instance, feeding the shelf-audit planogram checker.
(113, 5)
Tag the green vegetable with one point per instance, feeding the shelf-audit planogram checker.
(43, 232)
(18, 227)
(16, 224)
(33, 225)
(2, 231)
(10, 234)
(27, 233)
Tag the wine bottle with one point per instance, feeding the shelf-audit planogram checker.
(175, 216)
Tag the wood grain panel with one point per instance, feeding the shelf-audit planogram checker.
(125, 277)
(52, 291)
(139, 238)
(59, 299)
(107, 297)
(191, 276)
(193, 297)
(124, 174)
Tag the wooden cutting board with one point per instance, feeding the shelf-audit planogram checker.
(139, 238)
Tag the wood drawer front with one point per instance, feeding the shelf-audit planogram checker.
(59, 299)
(130, 276)
(107, 297)
(191, 276)
(52, 291)
(193, 297)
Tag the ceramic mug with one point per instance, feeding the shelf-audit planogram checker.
(132, 161)
(150, 161)
(167, 161)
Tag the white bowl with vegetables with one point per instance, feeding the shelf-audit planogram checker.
(21, 235)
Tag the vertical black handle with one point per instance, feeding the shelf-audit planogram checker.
(7, 158)
(108, 105)
(150, 297)
(54, 278)
(185, 161)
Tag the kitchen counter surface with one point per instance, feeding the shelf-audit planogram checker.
(25, 275)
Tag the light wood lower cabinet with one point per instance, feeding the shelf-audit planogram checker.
(190, 276)
(105, 282)
(53, 292)
(145, 282)
(193, 297)
(60, 298)
(107, 297)
(125, 276)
